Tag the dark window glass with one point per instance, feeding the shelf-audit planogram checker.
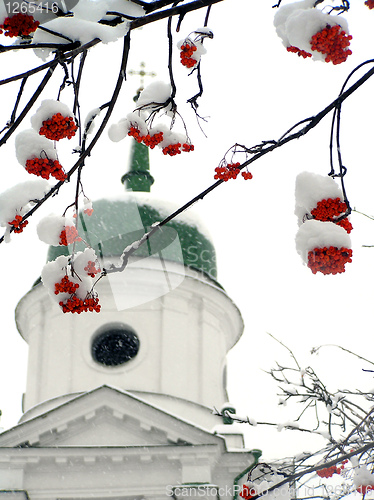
(115, 346)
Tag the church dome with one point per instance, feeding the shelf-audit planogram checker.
(118, 222)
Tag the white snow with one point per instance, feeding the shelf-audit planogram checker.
(118, 131)
(91, 116)
(227, 429)
(362, 476)
(90, 10)
(171, 137)
(54, 271)
(200, 49)
(296, 23)
(205, 31)
(311, 188)
(49, 228)
(81, 259)
(18, 199)
(153, 95)
(76, 29)
(29, 144)
(46, 110)
(125, 7)
(317, 234)
(284, 12)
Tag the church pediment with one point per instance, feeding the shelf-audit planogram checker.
(105, 417)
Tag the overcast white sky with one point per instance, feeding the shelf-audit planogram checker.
(253, 90)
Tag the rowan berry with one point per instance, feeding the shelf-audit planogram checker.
(66, 286)
(19, 25)
(328, 471)
(370, 4)
(172, 149)
(330, 208)
(363, 489)
(69, 235)
(228, 171)
(187, 147)
(135, 133)
(88, 211)
(247, 175)
(17, 224)
(187, 50)
(75, 305)
(248, 492)
(91, 269)
(332, 41)
(329, 260)
(299, 52)
(44, 167)
(149, 140)
(58, 127)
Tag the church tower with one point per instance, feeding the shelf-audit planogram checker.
(119, 405)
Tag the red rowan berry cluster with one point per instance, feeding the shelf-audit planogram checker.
(330, 208)
(248, 492)
(299, 52)
(370, 4)
(17, 224)
(69, 235)
(88, 211)
(149, 140)
(66, 286)
(247, 176)
(363, 489)
(329, 260)
(44, 167)
(333, 42)
(187, 50)
(19, 25)
(58, 127)
(76, 305)
(329, 471)
(230, 171)
(175, 149)
(91, 269)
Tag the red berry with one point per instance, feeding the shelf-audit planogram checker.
(91, 269)
(329, 209)
(172, 149)
(17, 224)
(58, 127)
(69, 235)
(228, 171)
(299, 52)
(44, 167)
(329, 260)
(19, 25)
(363, 489)
(76, 305)
(148, 140)
(247, 175)
(186, 53)
(370, 4)
(248, 492)
(333, 42)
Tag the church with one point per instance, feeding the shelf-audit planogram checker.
(120, 405)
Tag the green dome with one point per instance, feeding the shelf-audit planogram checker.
(118, 222)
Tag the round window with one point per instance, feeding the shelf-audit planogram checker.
(115, 345)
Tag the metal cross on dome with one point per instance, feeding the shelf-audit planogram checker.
(142, 73)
